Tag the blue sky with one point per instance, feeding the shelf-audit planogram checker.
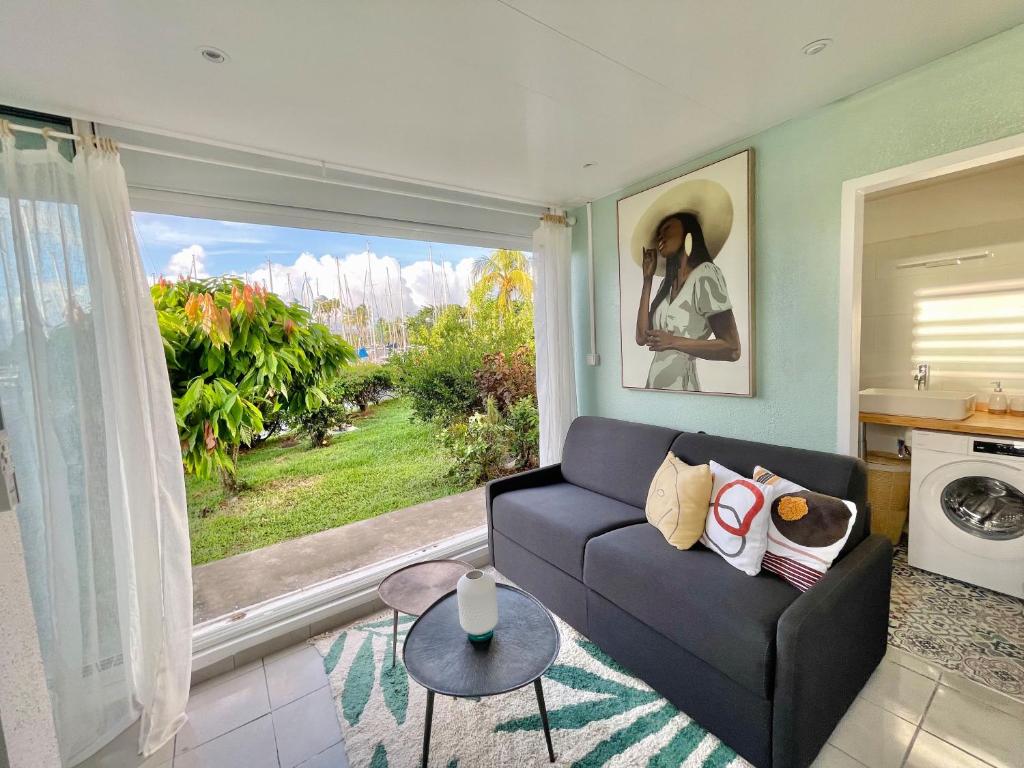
(236, 248)
(306, 256)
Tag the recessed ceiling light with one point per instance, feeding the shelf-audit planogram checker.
(589, 165)
(817, 46)
(213, 55)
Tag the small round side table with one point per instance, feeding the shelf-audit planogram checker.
(414, 588)
(439, 657)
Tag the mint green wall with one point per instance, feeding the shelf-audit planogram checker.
(969, 97)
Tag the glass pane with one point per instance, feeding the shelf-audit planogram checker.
(985, 507)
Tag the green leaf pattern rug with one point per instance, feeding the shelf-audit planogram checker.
(600, 714)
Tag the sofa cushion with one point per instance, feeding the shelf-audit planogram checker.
(677, 503)
(806, 532)
(831, 474)
(695, 599)
(556, 521)
(615, 458)
(738, 518)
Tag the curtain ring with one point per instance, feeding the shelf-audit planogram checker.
(5, 129)
(47, 132)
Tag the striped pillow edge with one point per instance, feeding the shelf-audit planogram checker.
(789, 570)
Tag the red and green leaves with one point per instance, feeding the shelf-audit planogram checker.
(236, 355)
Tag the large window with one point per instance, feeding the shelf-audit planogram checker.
(420, 319)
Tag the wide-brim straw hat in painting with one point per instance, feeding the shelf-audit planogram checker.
(707, 200)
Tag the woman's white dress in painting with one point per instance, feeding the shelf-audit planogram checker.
(703, 294)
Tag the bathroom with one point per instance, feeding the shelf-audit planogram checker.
(942, 370)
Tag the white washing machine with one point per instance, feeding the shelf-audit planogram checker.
(967, 508)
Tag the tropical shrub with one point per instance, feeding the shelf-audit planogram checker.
(491, 444)
(238, 357)
(318, 423)
(523, 420)
(362, 385)
(439, 371)
(479, 446)
(508, 378)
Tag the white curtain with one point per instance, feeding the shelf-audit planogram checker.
(552, 326)
(86, 398)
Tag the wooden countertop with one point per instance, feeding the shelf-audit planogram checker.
(978, 423)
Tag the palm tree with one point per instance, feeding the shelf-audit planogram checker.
(507, 273)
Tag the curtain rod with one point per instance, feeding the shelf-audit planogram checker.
(39, 132)
(272, 172)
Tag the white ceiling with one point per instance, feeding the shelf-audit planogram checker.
(509, 97)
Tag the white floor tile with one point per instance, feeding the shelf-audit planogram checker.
(219, 708)
(224, 677)
(982, 693)
(915, 663)
(306, 727)
(931, 752)
(292, 676)
(899, 690)
(251, 746)
(833, 757)
(986, 732)
(875, 737)
(334, 757)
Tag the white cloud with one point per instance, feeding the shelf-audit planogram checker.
(392, 286)
(440, 284)
(181, 263)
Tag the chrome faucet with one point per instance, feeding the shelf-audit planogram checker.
(921, 377)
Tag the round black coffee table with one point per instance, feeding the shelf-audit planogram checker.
(439, 656)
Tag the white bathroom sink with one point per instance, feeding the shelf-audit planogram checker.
(927, 404)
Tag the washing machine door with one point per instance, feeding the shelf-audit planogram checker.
(977, 506)
(985, 507)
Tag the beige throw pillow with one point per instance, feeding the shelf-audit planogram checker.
(677, 503)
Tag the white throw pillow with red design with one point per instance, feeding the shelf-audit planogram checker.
(738, 516)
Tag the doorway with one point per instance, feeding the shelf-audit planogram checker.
(856, 195)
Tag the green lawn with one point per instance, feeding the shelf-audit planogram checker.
(389, 462)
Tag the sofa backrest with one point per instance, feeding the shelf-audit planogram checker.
(615, 458)
(828, 473)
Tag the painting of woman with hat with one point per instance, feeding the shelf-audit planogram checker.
(684, 313)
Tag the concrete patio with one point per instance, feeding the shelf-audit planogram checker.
(234, 583)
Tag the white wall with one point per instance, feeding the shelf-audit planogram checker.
(973, 212)
(895, 336)
(941, 315)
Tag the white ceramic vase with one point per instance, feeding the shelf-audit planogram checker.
(478, 606)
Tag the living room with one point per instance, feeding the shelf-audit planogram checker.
(743, 544)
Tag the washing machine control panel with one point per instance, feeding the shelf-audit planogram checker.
(996, 448)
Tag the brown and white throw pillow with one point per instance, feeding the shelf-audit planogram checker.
(807, 530)
(677, 502)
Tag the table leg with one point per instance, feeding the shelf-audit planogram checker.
(426, 727)
(544, 718)
(394, 641)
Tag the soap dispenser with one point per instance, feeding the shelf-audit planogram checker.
(997, 400)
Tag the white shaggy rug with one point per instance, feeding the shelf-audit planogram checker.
(600, 714)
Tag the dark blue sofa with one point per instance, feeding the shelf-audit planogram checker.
(767, 669)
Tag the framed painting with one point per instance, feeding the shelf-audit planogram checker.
(686, 311)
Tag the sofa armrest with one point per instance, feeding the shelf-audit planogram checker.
(828, 643)
(531, 478)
